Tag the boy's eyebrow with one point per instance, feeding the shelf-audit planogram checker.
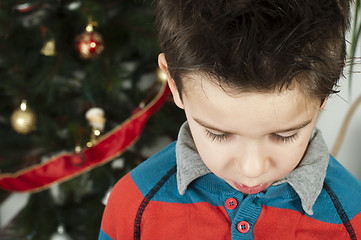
(297, 127)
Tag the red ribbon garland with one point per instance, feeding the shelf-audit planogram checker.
(61, 167)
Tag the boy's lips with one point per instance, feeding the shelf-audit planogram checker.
(250, 190)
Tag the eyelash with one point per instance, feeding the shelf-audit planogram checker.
(288, 139)
(278, 138)
(216, 137)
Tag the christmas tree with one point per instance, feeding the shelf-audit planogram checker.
(71, 72)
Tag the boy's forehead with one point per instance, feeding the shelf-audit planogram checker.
(249, 114)
(262, 112)
(194, 83)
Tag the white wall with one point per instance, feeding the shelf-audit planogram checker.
(333, 115)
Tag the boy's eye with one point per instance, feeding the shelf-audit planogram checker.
(284, 139)
(216, 137)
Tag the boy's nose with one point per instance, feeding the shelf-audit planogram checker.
(252, 161)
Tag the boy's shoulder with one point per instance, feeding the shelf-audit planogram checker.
(159, 168)
(151, 171)
(344, 189)
(341, 180)
(156, 170)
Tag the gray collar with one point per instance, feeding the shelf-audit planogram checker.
(307, 179)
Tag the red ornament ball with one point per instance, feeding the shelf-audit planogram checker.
(89, 44)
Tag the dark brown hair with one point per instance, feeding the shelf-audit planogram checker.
(256, 45)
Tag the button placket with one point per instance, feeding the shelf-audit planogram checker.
(232, 203)
(246, 216)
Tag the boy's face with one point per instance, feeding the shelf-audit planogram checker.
(251, 139)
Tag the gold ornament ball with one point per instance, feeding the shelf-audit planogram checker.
(23, 121)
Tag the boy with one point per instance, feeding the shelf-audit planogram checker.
(252, 77)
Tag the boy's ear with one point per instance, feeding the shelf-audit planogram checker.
(162, 62)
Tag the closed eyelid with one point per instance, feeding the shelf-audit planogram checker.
(216, 132)
(216, 137)
(210, 128)
(287, 134)
(285, 139)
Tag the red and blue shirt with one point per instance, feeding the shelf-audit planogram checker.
(148, 203)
